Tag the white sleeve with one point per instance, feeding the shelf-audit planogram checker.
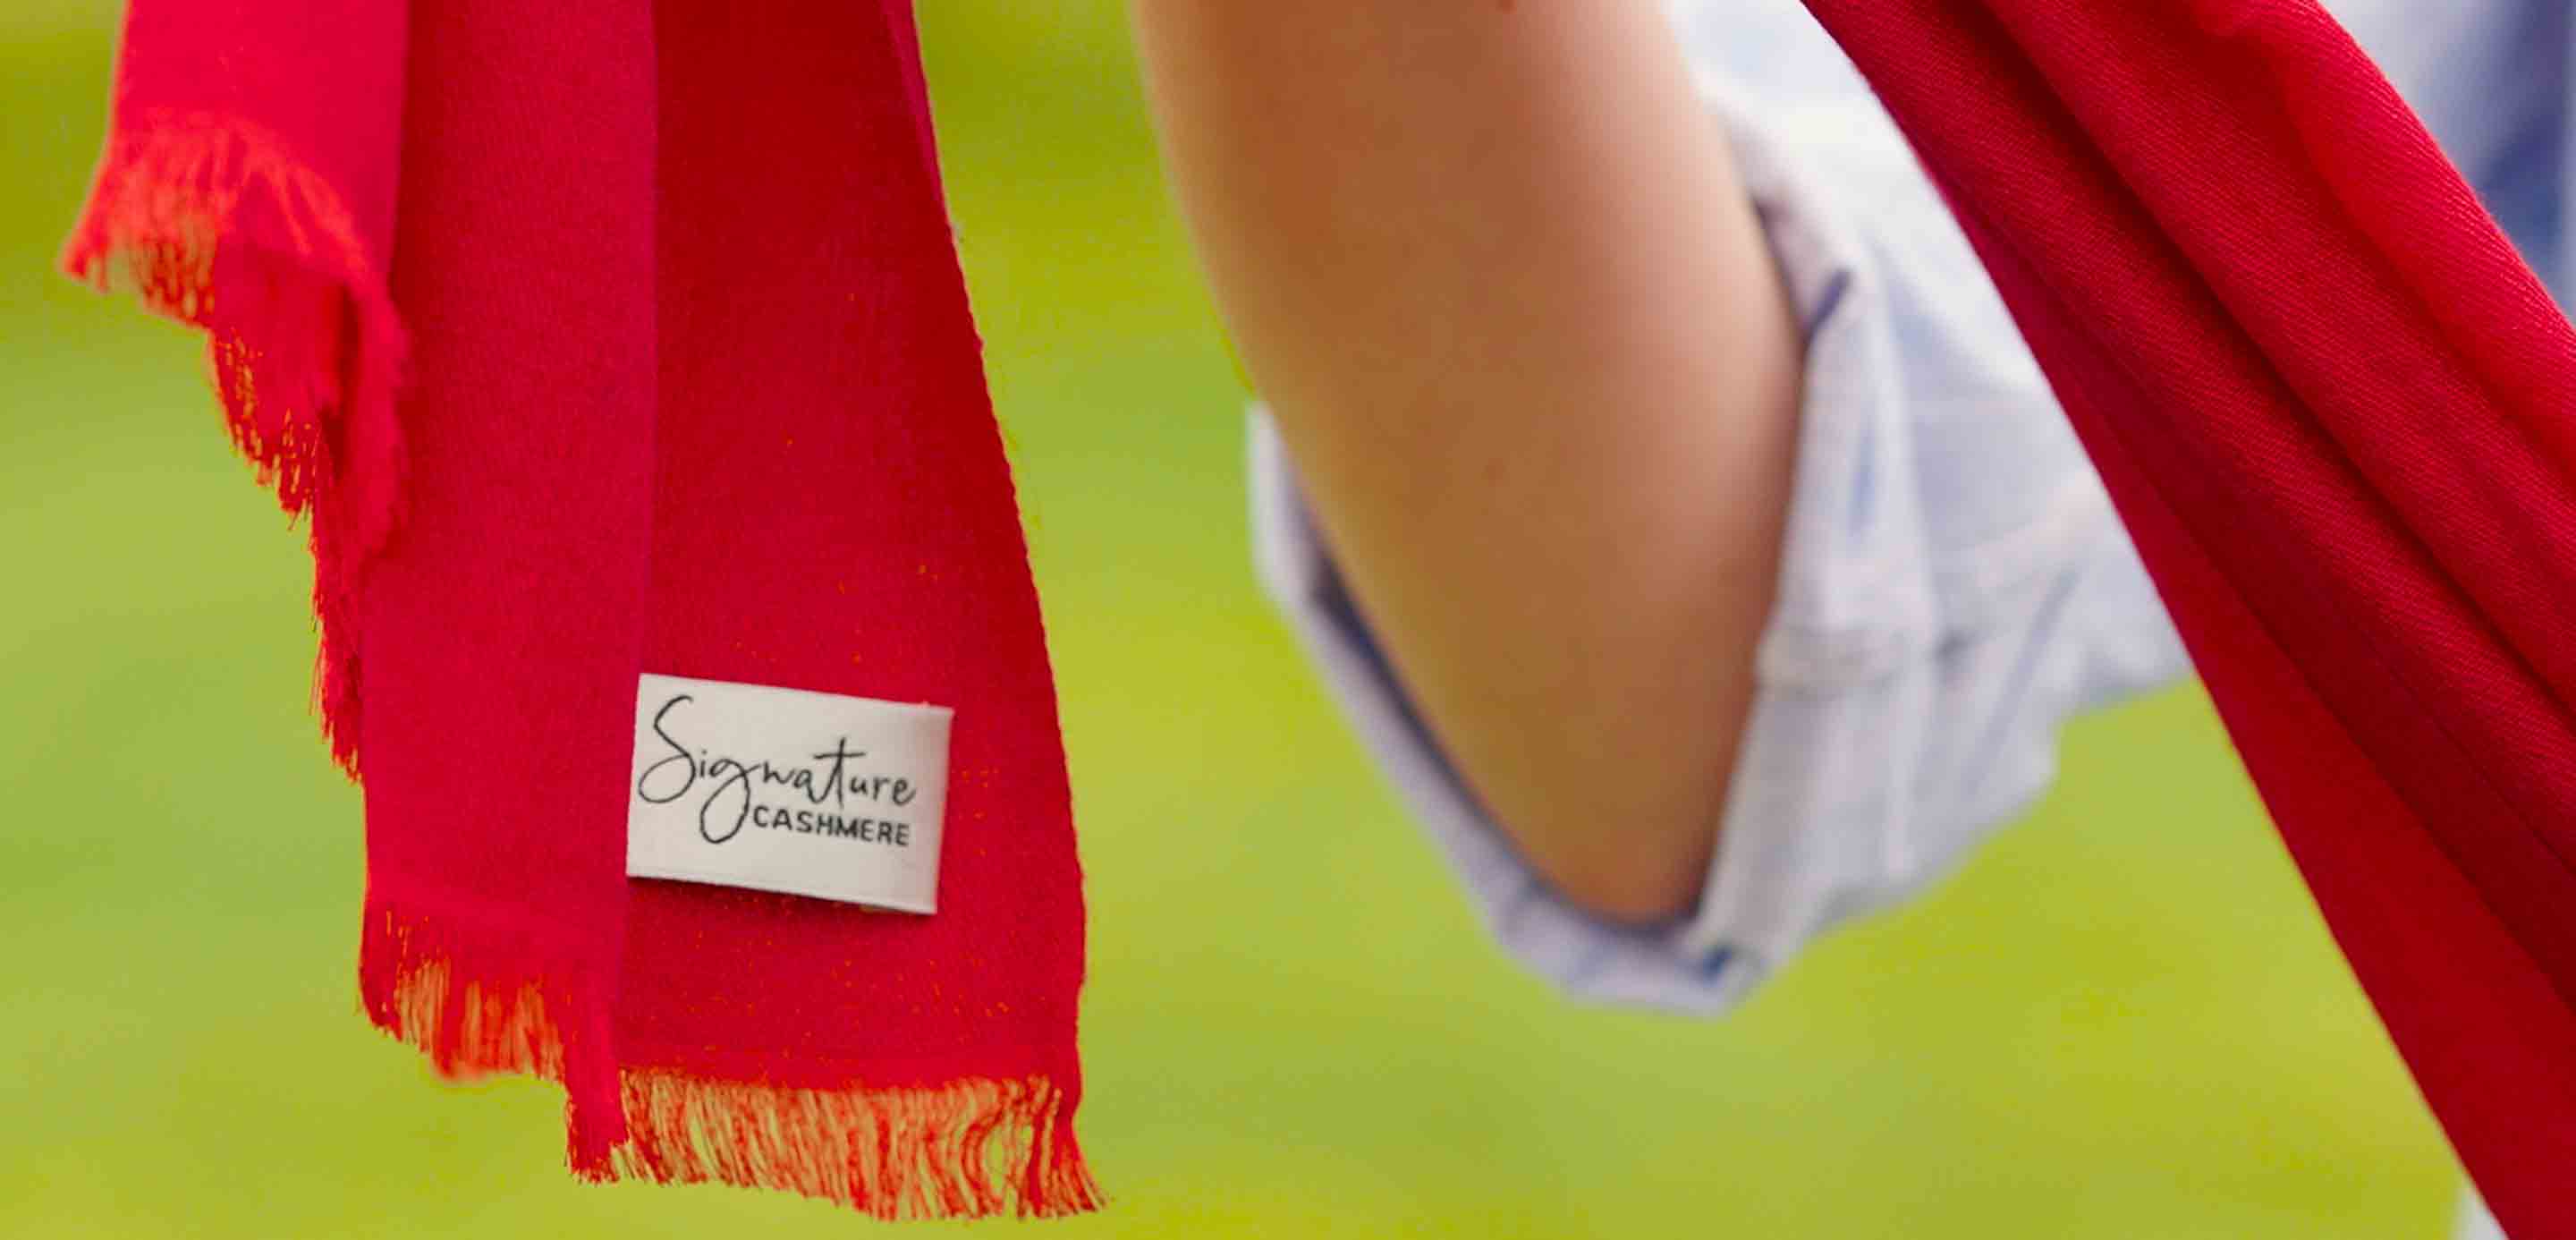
(1954, 584)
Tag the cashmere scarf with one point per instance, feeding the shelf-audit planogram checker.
(597, 344)
(2338, 415)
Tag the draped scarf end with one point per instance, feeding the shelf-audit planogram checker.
(478, 1002)
(213, 222)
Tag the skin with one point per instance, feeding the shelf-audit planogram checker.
(1494, 270)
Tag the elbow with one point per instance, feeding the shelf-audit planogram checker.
(1642, 874)
(1623, 824)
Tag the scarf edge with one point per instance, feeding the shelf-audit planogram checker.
(211, 221)
(977, 1147)
(479, 1001)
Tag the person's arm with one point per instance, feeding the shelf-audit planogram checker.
(1490, 266)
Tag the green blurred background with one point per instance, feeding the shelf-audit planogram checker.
(2122, 1019)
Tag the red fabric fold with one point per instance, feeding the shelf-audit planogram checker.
(689, 386)
(2333, 407)
(248, 189)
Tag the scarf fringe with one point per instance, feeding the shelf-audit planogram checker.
(478, 1002)
(210, 221)
(969, 1149)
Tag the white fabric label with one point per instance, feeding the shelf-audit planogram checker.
(812, 794)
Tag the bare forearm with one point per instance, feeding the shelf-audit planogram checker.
(1490, 265)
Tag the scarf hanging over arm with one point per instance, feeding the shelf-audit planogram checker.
(2338, 415)
(608, 349)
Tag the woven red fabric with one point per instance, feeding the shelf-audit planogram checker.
(2334, 409)
(690, 387)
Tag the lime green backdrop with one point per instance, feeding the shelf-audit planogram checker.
(2121, 1020)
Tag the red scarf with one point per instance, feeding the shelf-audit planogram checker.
(2338, 414)
(607, 342)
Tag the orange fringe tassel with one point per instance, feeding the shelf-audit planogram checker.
(971, 1148)
(482, 1001)
(214, 223)
(967, 1149)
